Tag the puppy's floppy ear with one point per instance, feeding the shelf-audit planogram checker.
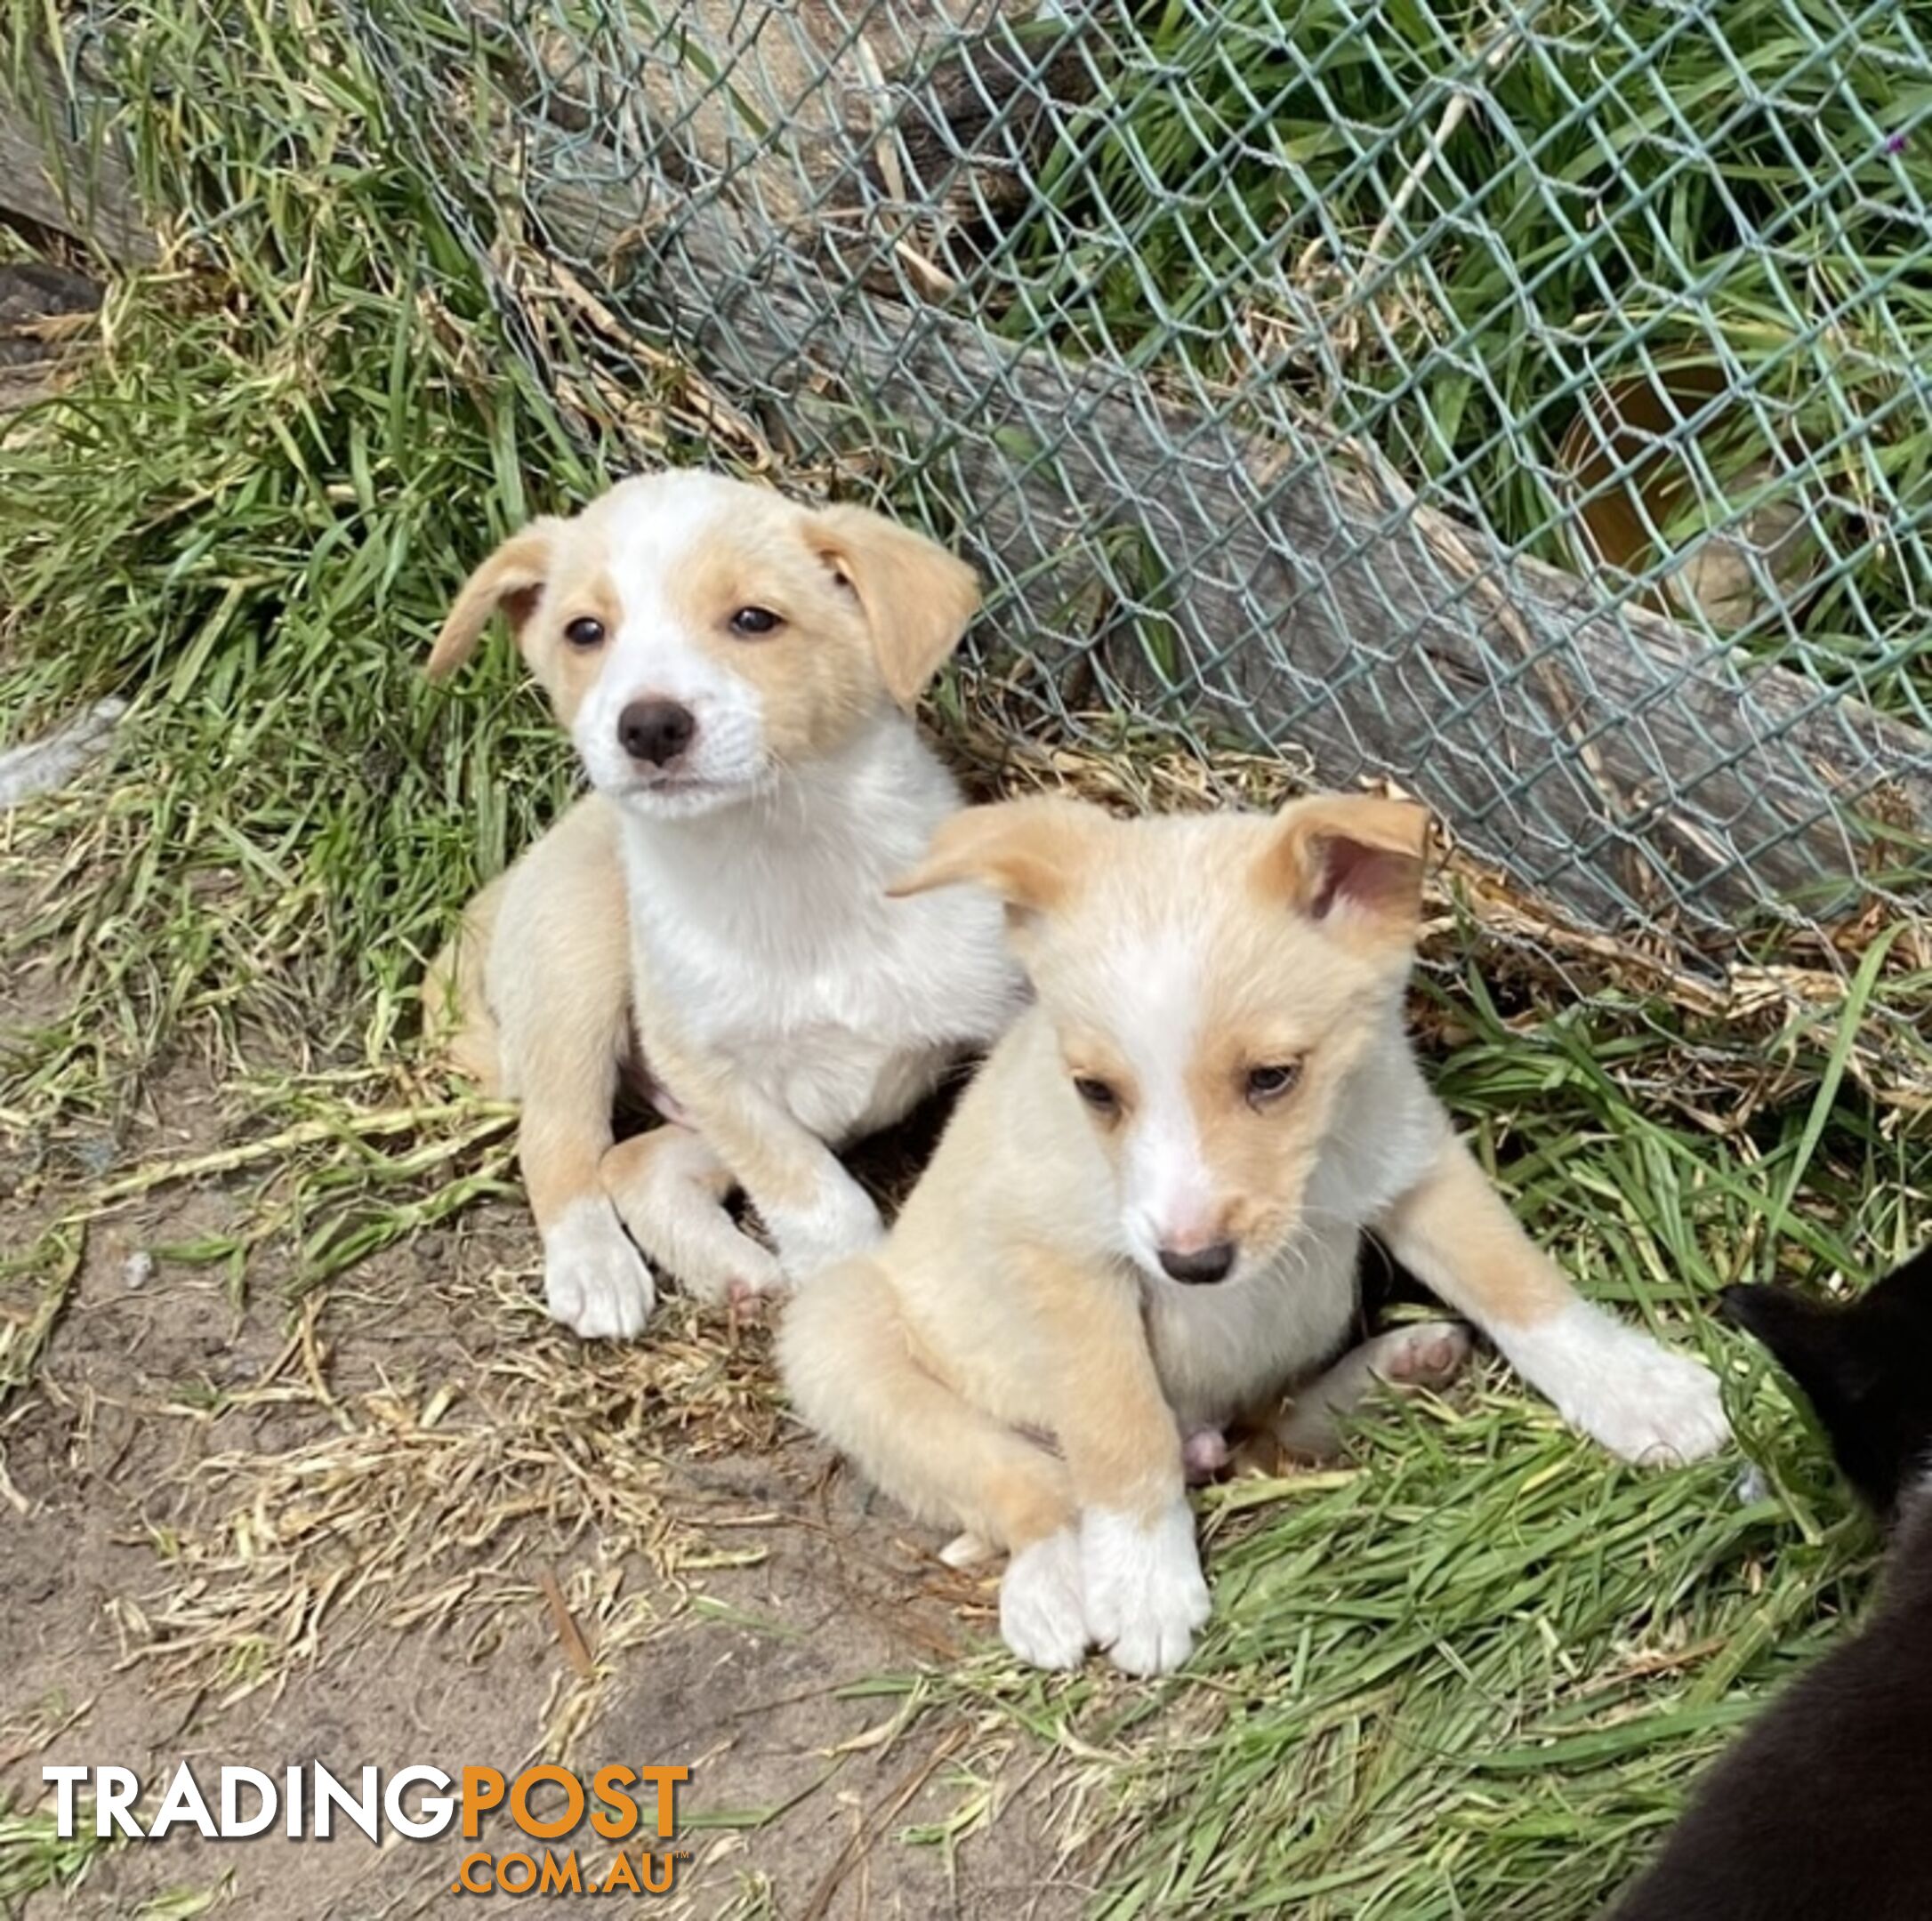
(1353, 863)
(1028, 852)
(1862, 1366)
(1790, 1324)
(919, 599)
(510, 580)
(1817, 1345)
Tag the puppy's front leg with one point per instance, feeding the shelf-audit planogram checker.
(1140, 1570)
(559, 971)
(595, 1282)
(814, 1210)
(1452, 1230)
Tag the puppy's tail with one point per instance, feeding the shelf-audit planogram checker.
(458, 1027)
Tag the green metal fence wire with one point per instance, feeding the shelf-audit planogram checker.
(1529, 403)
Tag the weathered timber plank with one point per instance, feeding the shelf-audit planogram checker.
(67, 172)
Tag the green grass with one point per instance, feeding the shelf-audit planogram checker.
(248, 519)
(1474, 1679)
(34, 1858)
(245, 518)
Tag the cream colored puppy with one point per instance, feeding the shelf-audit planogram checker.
(737, 673)
(1145, 1218)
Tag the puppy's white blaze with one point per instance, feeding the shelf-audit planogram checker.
(1171, 1193)
(652, 525)
(1170, 1188)
(656, 657)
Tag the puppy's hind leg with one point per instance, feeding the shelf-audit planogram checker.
(1430, 1354)
(670, 1190)
(457, 1024)
(848, 1363)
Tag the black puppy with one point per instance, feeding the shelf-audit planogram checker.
(1818, 1811)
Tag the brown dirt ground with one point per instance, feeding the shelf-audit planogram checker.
(737, 1598)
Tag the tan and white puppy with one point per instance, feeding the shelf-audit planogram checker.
(737, 673)
(1144, 1220)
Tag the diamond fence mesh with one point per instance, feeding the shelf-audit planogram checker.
(1528, 403)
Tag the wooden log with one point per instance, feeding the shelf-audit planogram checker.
(61, 167)
(778, 99)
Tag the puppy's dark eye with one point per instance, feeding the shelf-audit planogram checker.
(1265, 1084)
(584, 633)
(1097, 1094)
(751, 621)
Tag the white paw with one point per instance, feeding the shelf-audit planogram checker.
(840, 1222)
(1041, 1616)
(755, 1283)
(1641, 1401)
(1145, 1596)
(740, 1273)
(594, 1280)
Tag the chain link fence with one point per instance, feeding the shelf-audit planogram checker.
(1530, 404)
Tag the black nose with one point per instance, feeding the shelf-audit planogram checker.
(1204, 1265)
(655, 731)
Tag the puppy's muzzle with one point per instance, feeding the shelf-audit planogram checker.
(656, 731)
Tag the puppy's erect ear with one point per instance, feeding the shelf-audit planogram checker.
(510, 580)
(919, 599)
(1028, 852)
(1353, 863)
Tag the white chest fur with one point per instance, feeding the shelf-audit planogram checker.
(767, 928)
